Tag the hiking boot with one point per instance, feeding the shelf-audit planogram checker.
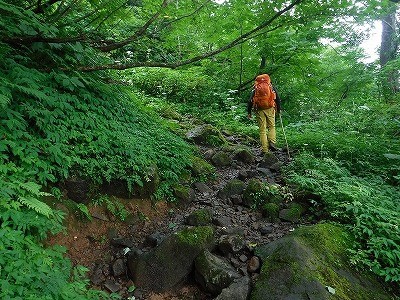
(273, 147)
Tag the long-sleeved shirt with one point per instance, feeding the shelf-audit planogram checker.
(277, 101)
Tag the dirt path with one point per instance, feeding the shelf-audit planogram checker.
(101, 244)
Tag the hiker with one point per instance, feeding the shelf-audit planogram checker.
(265, 102)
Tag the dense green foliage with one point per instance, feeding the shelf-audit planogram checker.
(58, 122)
(55, 126)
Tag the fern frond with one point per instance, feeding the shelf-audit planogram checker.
(37, 205)
(31, 187)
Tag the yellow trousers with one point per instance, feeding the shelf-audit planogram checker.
(266, 120)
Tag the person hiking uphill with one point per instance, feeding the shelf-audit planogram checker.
(265, 102)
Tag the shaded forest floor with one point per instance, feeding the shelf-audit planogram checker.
(100, 243)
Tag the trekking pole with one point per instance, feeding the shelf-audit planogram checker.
(284, 134)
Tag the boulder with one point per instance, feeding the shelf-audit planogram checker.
(200, 217)
(206, 135)
(233, 187)
(310, 263)
(213, 273)
(171, 262)
(269, 161)
(221, 159)
(231, 244)
(292, 213)
(244, 155)
(201, 168)
(238, 290)
(253, 189)
(184, 194)
(270, 211)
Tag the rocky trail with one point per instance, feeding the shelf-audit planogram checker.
(205, 245)
(227, 213)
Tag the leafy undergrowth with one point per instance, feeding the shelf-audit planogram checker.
(348, 154)
(56, 126)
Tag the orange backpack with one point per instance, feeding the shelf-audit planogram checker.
(264, 95)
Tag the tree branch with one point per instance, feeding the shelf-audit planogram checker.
(188, 15)
(40, 8)
(242, 38)
(38, 38)
(137, 34)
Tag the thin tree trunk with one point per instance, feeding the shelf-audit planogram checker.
(388, 52)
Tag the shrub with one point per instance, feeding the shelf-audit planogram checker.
(369, 206)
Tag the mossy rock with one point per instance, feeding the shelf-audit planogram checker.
(253, 192)
(221, 159)
(206, 135)
(184, 194)
(269, 160)
(270, 211)
(244, 155)
(171, 113)
(170, 263)
(308, 262)
(214, 273)
(200, 217)
(292, 213)
(233, 187)
(201, 168)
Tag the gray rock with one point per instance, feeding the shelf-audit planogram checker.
(221, 159)
(171, 262)
(237, 199)
(243, 174)
(213, 273)
(121, 242)
(238, 290)
(97, 276)
(244, 155)
(112, 286)
(231, 244)
(253, 188)
(293, 213)
(184, 194)
(222, 221)
(300, 265)
(119, 267)
(154, 239)
(206, 135)
(203, 188)
(266, 229)
(200, 217)
(269, 160)
(232, 188)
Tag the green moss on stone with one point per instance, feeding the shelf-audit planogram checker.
(270, 211)
(221, 159)
(314, 257)
(253, 192)
(194, 236)
(201, 168)
(200, 217)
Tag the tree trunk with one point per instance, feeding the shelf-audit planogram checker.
(388, 52)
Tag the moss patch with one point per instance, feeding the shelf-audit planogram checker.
(200, 217)
(196, 235)
(201, 168)
(270, 211)
(307, 262)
